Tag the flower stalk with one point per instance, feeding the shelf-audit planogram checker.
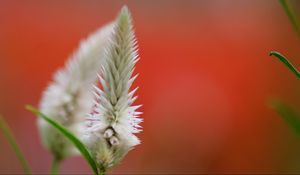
(55, 166)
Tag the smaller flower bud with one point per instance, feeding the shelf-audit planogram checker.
(114, 141)
(108, 133)
(68, 98)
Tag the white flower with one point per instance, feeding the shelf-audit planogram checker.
(111, 128)
(69, 97)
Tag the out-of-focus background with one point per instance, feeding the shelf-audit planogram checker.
(205, 81)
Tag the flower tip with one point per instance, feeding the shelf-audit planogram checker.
(125, 10)
(124, 13)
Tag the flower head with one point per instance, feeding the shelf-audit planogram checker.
(69, 97)
(111, 128)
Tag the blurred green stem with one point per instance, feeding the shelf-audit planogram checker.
(12, 141)
(291, 14)
(55, 166)
(287, 114)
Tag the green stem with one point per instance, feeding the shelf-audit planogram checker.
(286, 62)
(55, 166)
(291, 14)
(12, 141)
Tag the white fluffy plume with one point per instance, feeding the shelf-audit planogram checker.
(111, 128)
(69, 97)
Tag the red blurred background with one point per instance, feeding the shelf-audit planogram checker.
(205, 82)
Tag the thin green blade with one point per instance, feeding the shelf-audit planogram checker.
(79, 145)
(286, 62)
(12, 141)
(291, 14)
(287, 114)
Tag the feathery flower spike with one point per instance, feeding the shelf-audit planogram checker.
(69, 97)
(111, 128)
